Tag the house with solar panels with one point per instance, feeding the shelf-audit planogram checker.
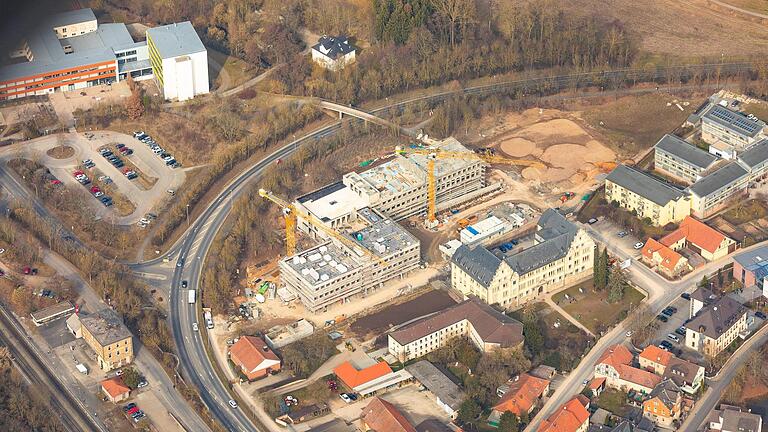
(729, 133)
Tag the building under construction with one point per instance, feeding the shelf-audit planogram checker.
(363, 207)
(333, 272)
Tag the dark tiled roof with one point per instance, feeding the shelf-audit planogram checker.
(682, 150)
(334, 47)
(478, 262)
(704, 295)
(491, 325)
(719, 179)
(644, 185)
(715, 320)
(682, 372)
(667, 391)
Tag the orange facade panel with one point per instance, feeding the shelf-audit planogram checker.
(79, 71)
(110, 72)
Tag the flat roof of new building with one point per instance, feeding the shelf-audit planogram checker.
(645, 185)
(381, 235)
(719, 179)
(332, 201)
(106, 326)
(735, 121)
(689, 153)
(70, 17)
(322, 263)
(176, 39)
(756, 155)
(438, 383)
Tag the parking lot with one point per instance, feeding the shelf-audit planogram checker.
(144, 193)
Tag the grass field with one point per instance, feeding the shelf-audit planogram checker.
(234, 70)
(613, 401)
(759, 6)
(634, 123)
(591, 307)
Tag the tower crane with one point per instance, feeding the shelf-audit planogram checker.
(291, 213)
(433, 154)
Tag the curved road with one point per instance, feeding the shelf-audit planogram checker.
(193, 245)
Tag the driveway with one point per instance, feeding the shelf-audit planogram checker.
(147, 162)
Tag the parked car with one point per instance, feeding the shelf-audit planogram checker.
(680, 331)
(345, 398)
(170, 162)
(686, 295)
(621, 234)
(665, 345)
(133, 410)
(141, 224)
(638, 245)
(142, 384)
(119, 146)
(592, 221)
(760, 315)
(673, 337)
(98, 194)
(129, 406)
(662, 318)
(95, 189)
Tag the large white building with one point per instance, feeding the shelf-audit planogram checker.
(562, 254)
(71, 51)
(333, 53)
(179, 60)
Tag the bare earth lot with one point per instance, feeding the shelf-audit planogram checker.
(381, 321)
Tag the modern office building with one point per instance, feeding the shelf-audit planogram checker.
(677, 158)
(179, 60)
(70, 51)
(647, 196)
(332, 272)
(562, 254)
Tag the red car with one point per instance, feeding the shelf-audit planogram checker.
(95, 189)
(123, 149)
(77, 173)
(133, 410)
(27, 270)
(126, 170)
(56, 182)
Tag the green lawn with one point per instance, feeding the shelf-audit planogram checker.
(614, 401)
(591, 307)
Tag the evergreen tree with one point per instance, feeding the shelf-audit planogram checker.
(617, 285)
(508, 423)
(704, 282)
(720, 277)
(469, 411)
(602, 273)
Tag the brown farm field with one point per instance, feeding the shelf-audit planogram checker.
(683, 28)
(759, 6)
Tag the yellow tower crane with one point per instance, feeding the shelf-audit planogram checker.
(433, 154)
(291, 213)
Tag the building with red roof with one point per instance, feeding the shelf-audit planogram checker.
(254, 357)
(523, 394)
(381, 416)
(615, 365)
(688, 376)
(371, 379)
(706, 241)
(115, 389)
(573, 416)
(665, 260)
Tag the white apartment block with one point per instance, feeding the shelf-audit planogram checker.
(563, 254)
(487, 328)
(179, 61)
(333, 273)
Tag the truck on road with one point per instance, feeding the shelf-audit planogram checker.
(191, 296)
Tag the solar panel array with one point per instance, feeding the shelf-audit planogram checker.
(735, 119)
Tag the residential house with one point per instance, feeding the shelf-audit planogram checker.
(751, 268)
(333, 53)
(647, 196)
(706, 241)
(115, 390)
(522, 396)
(486, 327)
(305, 413)
(734, 419)
(664, 260)
(108, 337)
(372, 379)
(596, 386)
(677, 158)
(688, 376)
(664, 404)
(615, 365)
(716, 326)
(253, 357)
(573, 416)
(562, 255)
(446, 393)
(381, 416)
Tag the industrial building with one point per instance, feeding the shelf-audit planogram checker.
(333, 272)
(70, 51)
(562, 254)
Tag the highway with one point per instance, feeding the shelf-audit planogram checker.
(191, 248)
(31, 365)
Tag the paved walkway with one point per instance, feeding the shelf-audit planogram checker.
(566, 315)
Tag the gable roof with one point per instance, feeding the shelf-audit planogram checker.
(669, 258)
(333, 47)
(716, 319)
(115, 387)
(250, 352)
(734, 120)
(645, 185)
(353, 377)
(522, 395)
(596, 383)
(491, 325)
(615, 355)
(656, 355)
(667, 392)
(381, 416)
(568, 418)
(721, 178)
(696, 232)
(756, 155)
(689, 153)
(638, 376)
(682, 372)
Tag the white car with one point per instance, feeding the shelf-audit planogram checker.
(195, 327)
(98, 194)
(232, 403)
(141, 224)
(142, 384)
(345, 398)
(628, 333)
(145, 221)
(119, 372)
(638, 245)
